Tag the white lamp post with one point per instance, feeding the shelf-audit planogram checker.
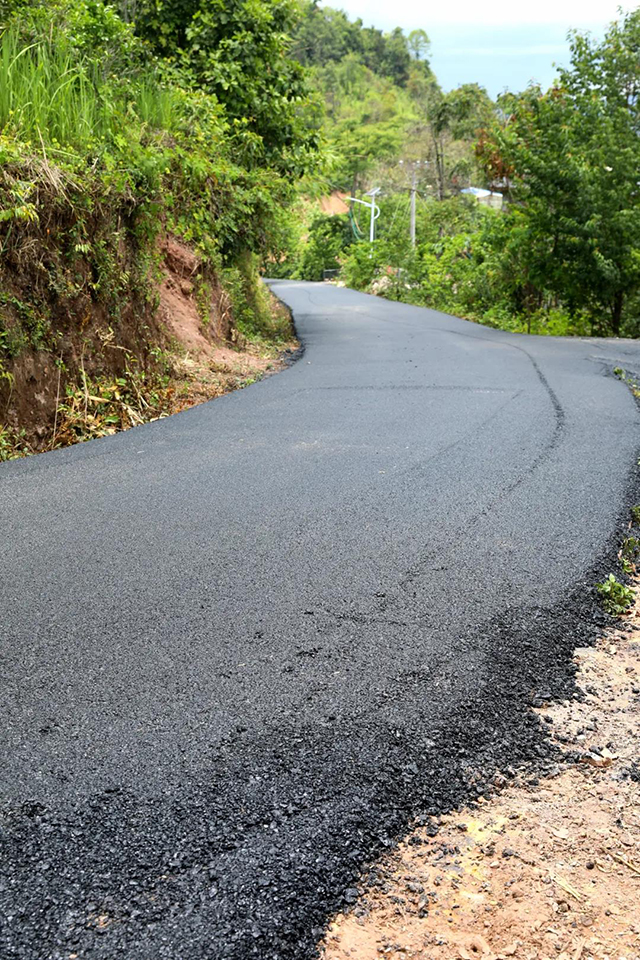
(373, 207)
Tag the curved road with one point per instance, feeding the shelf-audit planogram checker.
(244, 646)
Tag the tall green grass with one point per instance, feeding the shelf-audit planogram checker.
(45, 95)
(159, 108)
(48, 96)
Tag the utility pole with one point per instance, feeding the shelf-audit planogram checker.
(412, 225)
(413, 190)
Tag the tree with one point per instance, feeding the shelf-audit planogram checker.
(396, 59)
(575, 156)
(329, 236)
(419, 44)
(446, 118)
(372, 47)
(238, 50)
(323, 35)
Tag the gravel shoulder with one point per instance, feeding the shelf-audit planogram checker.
(543, 868)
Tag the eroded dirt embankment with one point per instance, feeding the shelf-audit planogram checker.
(71, 370)
(544, 869)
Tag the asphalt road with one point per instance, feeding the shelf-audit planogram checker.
(244, 646)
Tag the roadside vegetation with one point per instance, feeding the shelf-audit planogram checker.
(125, 129)
(616, 596)
(560, 256)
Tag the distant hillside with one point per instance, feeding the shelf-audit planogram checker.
(383, 103)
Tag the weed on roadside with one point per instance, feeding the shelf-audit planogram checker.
(616, 598)
(629, 552)
(633, 385)
(103, 406)
(12, 445)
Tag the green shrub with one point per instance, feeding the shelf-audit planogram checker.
(366, 262)
(467, 262)
(329, 237)
(251, 304)
(615, 597)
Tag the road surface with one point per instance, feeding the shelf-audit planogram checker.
(243, 647)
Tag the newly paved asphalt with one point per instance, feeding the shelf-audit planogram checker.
(242, 647)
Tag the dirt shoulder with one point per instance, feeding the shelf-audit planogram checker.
(545, 869)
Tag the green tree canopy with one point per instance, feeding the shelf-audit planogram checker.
(239, 51)
(324, 35)
(574, 157)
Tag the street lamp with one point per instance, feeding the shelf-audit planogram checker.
(373, 207)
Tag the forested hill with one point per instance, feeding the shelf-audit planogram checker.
(382, 101)
(324, 35)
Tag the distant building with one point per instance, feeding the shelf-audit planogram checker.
(487, 197)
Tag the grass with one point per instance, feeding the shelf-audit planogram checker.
(45, 96)
(51, 99)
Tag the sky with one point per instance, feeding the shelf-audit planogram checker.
(502, 45)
